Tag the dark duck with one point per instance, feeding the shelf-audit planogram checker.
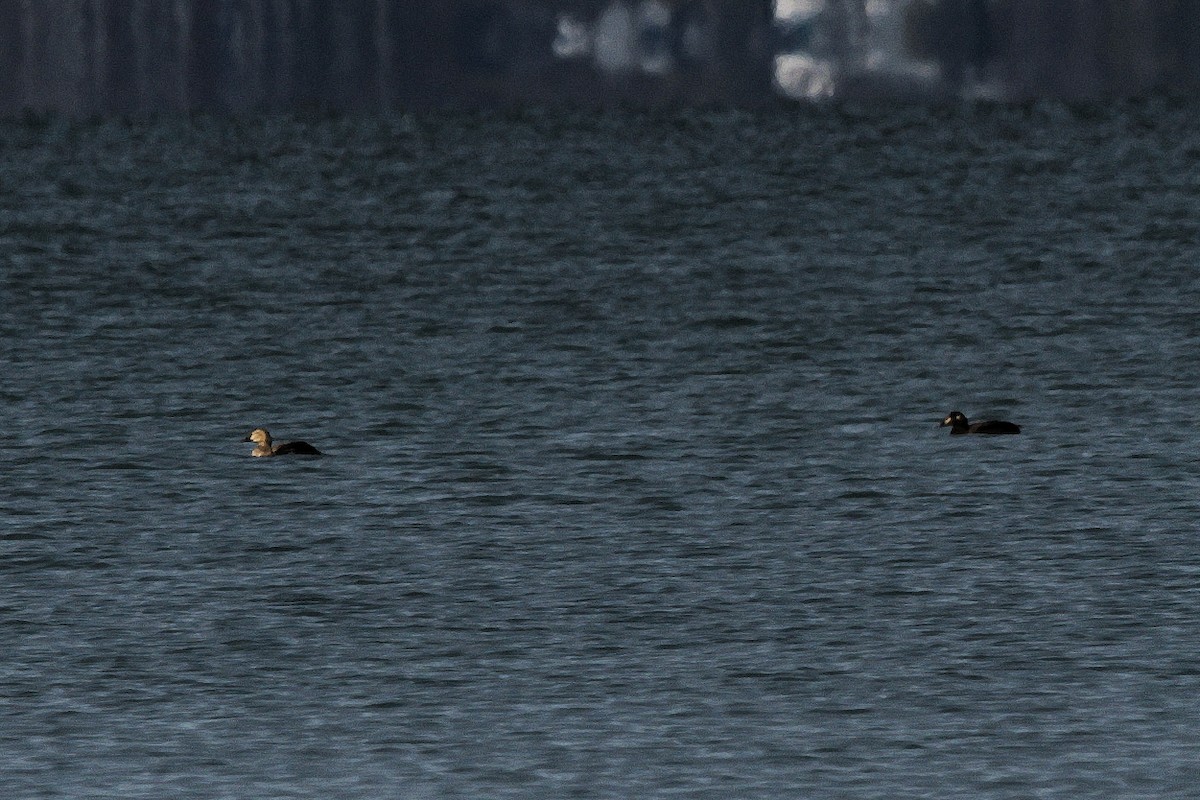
(957, 422)
(263, 447)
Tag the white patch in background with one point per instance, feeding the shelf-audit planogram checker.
(573, 38)
(614, 39)
(797, 9)
(801, 76)
(653, 25)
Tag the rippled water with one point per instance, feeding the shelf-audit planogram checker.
(633, 486)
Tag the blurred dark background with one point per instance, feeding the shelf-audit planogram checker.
(90, 56)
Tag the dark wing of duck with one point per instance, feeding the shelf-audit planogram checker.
(296, 449)
(995, 426)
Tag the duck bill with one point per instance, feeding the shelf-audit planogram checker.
(247, 439)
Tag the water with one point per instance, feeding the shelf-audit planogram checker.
(633, 485)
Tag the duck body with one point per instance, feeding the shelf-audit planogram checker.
(263, 447)
(958, 423)
(296, 449)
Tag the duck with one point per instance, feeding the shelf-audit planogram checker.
(958, 424)
(262, 440)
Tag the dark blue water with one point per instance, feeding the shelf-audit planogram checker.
(634, 486)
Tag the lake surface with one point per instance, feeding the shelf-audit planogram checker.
(633, 485)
